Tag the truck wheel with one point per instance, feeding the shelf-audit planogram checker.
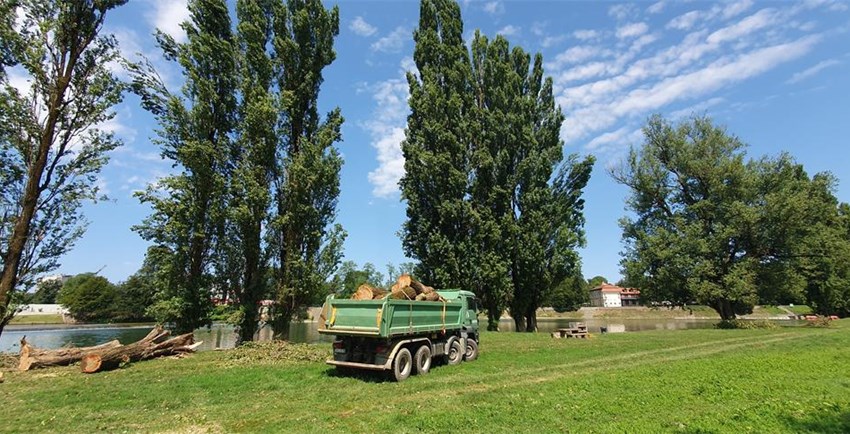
(402, 364)
(455, 351)
(471, 350)
(423, 359)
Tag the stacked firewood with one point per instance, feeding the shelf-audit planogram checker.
(405, 288)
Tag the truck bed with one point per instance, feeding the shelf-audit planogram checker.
(390, 318)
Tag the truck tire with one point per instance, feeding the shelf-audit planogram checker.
(454, 351)
(423, 359)
(471, 350)
(402, 365)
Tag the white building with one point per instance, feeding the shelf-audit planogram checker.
(607, 295)
(43, 309)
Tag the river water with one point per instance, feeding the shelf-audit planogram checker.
(223, 336)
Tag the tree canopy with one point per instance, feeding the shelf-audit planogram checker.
(712, 227)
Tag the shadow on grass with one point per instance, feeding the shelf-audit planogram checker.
(826, 421)
(363, 375)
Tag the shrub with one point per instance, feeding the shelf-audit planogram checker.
(746, 324)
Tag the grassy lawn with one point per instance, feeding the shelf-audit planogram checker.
(800, 309)
(787, 380)
(770, 310)
(37, 319)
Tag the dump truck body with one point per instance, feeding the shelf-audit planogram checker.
(383, 334)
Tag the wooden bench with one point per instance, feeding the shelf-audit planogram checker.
(575, 330)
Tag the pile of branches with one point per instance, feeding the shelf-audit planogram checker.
(405, 288)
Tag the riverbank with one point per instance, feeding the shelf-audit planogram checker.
(695, 312)
(786, 380)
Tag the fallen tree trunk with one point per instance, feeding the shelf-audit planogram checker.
(420, 288)
(33, 358)
(405, 293)
(146, 348)
(429, 296)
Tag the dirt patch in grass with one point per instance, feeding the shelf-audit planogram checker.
(8, 361)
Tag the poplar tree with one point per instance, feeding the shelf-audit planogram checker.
(51, 148)
(307, 249)
(436, 150)
(189, 208)
(492, 205)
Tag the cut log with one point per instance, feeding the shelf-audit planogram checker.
(147, 348)
(368, 292)
(403, 281)
(404, 293)
(420, 288)
(32, 358)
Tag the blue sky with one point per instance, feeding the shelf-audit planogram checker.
(775, 73)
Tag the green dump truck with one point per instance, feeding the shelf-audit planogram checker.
(402, 336)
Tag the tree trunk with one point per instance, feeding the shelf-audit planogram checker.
(405, 293)
(724, 308)
(519, 321)
(33, 358)
(146, 348)
(531, 320)
(494, 314)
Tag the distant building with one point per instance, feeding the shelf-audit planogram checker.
(43, 309)
(608, 295)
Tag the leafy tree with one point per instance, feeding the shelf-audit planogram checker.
(570, 294)
(195, 132)
(595, 281)
(50, 147)
(505, 214)
(349, 277)
(306, 247)
(46, 291)
(135, 296)
(436, 180)
(89, 297)
(713, 228)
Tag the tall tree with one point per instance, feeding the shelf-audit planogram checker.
(306, 177)
(714, 228)
(51, 148)
(195, 132)
(436, 149)
(242, 253)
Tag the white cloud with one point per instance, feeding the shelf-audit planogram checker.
(685, 21)
(360, 27)
(736, 8)
(394, 42)
(538, 28)
(809, 72)
(167, 15)
(576, 54)
(585, 35)
(622, 11)
(551, 41)
(386, 128)
(494, 7)
(508, 30)
(695, 109)
(656, 7)
(750, 24)
(631, 30)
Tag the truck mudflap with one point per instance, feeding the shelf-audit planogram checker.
(356, 365)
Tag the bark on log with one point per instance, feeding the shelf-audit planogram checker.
(405, 293)
(32, 358)
(146, 348)
(420, 288)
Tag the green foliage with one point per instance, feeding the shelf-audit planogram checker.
(46, 291)
(349, 277)
(595, 281)
(713, 228)
(134, 296)
(304, 242)
(569, 295)
(51, 149)
(89, 297)
(504, 216)
(251, 214)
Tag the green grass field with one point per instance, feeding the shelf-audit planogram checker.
(786, 380)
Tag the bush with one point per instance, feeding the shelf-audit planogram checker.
(746, 324)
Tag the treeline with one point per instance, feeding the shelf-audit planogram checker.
(493, 205)
(711, 226)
